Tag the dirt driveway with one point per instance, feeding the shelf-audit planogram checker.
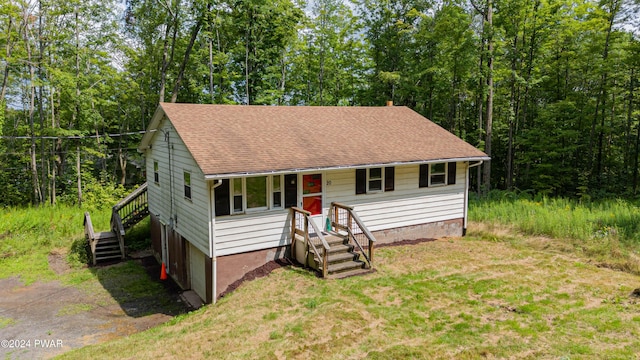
(45, 319)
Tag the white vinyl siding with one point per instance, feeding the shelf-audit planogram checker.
(407, 205)
(192, 215)
(241, 233)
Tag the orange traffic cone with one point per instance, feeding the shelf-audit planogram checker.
(163, 272)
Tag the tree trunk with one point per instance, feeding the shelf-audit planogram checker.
(489, 114)
(185, 59)
(79, 175)
(480, 102)
(37, 194)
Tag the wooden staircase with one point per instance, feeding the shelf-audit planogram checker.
(109, 245)
(338, 252)
(341, 258)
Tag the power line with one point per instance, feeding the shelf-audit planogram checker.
(69, 151)
(74, 136)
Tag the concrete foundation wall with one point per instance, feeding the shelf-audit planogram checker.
(435, 230)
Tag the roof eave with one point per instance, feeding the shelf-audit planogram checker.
(151, 129)
(479, 159)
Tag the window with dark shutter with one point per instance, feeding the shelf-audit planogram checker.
(424, 175)
(451, 176)
(361, 181)
(222, 199)
(389, 178)
(290, 190)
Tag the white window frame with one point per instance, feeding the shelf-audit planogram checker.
(444, 173)
(232, 195)
(156, 172)
(185, 185)
(266, 194)
(381, 179)
(272, 191)
(270, 204)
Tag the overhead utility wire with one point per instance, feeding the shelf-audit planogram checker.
(73, 136)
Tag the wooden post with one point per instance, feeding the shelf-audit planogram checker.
(293, 233)
(78, 171)
(306, 241)
(350, 222)
(370, 254)
(325, 267)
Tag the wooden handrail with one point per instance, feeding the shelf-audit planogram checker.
(134, 194)
(305, 233)
(353, 217)
(118, 229)
(90, 235)
(133, 208)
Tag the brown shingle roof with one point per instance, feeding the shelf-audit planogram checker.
(229, 139)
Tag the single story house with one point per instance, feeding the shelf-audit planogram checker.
(221, 180)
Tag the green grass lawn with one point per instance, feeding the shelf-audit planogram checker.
(454, 298)
(533, 279)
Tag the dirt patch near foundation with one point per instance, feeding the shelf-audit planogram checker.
(257, 273)
(406, 242)
(45, 319)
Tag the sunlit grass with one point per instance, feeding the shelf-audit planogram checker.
(562, 218)
(607, 231)
(29, 235)
(448, 299)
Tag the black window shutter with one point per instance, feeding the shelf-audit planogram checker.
(451, 176)
(361, 181)
(424, 175)
(222, 199)
(290, 190)
(389, 178)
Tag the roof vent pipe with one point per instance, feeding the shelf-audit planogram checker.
(389, 102)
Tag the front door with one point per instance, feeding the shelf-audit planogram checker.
(312, 197)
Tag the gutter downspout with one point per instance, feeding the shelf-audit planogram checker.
(466, 195)
(212, 244)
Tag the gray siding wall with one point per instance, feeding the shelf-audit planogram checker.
(190, 217)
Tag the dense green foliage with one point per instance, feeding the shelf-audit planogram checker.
(547, 87)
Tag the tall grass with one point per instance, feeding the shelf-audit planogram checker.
(607, 231)
(561, 218)
(28, 235)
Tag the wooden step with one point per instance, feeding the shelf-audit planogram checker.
(341, 257)
(349, 273)
(345, 266)
(334, 240)
(108, 257)
(107, 246)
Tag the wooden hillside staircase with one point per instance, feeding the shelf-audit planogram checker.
(344, 248)
(109, 245)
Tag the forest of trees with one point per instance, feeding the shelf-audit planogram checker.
(547, 88)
